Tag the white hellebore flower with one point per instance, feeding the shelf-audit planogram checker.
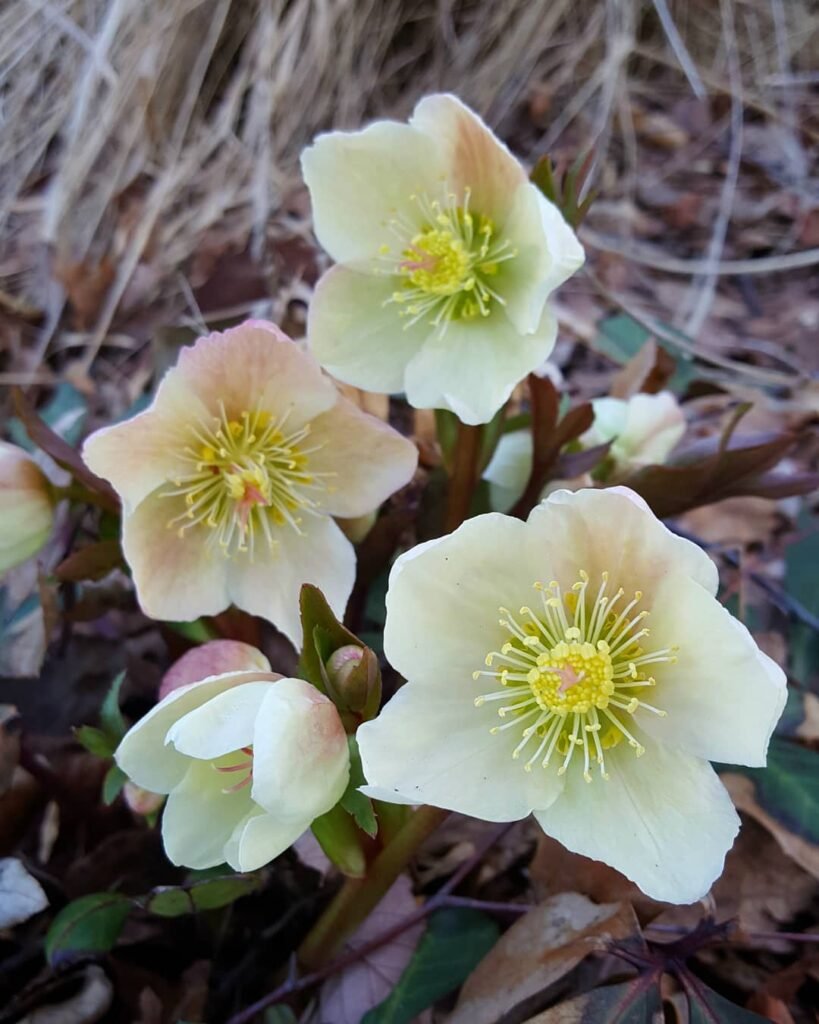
(248, 760)
(643, 429)
(447, 255)
(577, 666)
(231, 479)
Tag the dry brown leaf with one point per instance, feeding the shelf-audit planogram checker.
(771, 1007)
(368, 401)
(800, 850)
(733, 521)
(537, 950)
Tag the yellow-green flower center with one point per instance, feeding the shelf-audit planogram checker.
(248, 477)
(570, 673)
(448, 269)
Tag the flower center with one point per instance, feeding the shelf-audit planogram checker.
(570, 672)
(448, 268)
(243, 766)
(248, 476)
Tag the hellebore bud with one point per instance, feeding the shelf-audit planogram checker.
(354, 679)
(26, 507)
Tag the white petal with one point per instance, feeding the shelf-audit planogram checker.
(369, 460)
(473, 366)
(255, 366)
(260, 838)
(509, 469)
(444, 597)
(221, 725)
(199, 818)
(143, 755)
(433, 747)
(357, 334)
(301, 762)
(605, 529)
(609, 420)
(664, 820)
(360, 181)
(270, 583)
(176, 578)
(474, 157)
(548, 253)
(724, 696)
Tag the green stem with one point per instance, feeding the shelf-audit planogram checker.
(464, 476)
(358, 896)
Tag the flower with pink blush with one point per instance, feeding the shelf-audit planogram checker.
(248, 759)
(26, 507)
(231, 480)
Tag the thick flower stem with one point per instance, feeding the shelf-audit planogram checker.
(358, 896)
(464, 478)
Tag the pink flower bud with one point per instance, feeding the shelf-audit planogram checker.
(141, 801)
(212, 659)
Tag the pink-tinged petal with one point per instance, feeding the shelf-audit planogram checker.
(144, 452)
(548, 253)
(356, 332)
(301, 760)
(212, 659)
(200, 817)
(255, 366)
(434, 747)
(176, 578)
(368, 460)
(360, 181)
(724, 696)
(607, 530)
(473, 366)
(664, 820)
(259, 838)
(143, 753)
(269, 584)
(474, 157)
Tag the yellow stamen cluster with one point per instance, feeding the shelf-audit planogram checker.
(446, 267)
(248, 477)
(568, 674)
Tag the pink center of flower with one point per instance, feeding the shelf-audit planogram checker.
(249, 477)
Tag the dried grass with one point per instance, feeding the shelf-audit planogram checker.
(132, 128)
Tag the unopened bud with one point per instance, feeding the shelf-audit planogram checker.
(142, 801)
(26, 507)
(355, 679)
(342, 663)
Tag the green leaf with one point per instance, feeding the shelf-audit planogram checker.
(208, 894)
(353, 802)
(110, 715)
(95, 741)
(337, 835)
(705, 1006)
(322, 633)
(90, 562)
(801, 559)
(455, 940)
(115, 779)
(198, 631)
(91, 924)
(788, 789)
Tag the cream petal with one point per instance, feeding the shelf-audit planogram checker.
(199, 817)
(255, 366)
(360, 181)
(474, 157)
(654, 424)
(548, 253)
(444, 597)
(368, 459)
(434, 747)
(222, 725)
(269, 584)
(259, 838)
(664, 820)
(607, 530)
(301, 762)
(357, 334)
(723, 697)
(143, 754)
(473, 366)
(176, 578)
(509, 469)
